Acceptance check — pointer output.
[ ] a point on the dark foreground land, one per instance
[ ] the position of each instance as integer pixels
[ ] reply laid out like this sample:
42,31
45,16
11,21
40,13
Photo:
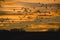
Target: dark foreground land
22,35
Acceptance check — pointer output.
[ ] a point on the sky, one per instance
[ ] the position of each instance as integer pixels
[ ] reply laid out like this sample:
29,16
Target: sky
41,1
14,3
6,5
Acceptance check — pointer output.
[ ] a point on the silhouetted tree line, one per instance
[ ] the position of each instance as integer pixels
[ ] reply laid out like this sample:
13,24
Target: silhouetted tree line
22,30
13,30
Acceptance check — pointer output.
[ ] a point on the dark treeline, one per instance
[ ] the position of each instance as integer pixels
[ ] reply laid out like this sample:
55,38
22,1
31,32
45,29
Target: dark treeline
20,34
22,30
15,34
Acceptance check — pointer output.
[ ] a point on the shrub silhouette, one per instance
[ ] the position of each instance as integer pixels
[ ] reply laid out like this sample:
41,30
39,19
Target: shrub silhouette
17,30
58,30
51,30
4,31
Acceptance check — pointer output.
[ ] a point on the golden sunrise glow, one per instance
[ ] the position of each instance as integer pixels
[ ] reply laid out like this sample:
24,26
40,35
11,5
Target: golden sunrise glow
15,13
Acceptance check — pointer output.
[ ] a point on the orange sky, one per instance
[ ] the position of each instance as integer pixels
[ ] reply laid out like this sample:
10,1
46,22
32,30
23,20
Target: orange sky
41,1
13,4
